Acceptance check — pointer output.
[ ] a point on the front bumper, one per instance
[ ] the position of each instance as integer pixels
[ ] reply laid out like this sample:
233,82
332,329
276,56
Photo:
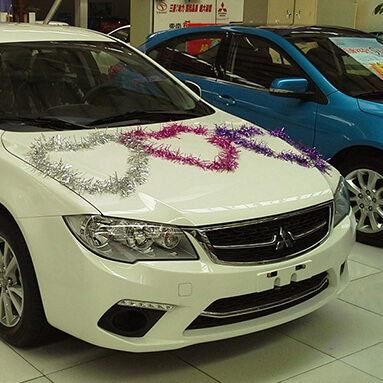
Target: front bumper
78,287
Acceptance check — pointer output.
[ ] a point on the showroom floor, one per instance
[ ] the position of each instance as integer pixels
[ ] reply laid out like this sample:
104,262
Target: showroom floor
342,342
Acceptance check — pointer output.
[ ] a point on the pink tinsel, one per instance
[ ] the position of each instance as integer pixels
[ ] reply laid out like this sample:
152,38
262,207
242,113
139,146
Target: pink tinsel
227,158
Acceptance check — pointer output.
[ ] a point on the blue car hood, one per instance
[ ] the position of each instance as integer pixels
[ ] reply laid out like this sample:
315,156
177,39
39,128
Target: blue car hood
372,107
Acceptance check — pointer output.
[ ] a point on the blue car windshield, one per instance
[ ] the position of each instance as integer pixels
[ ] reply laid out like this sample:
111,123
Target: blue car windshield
354,64
89,83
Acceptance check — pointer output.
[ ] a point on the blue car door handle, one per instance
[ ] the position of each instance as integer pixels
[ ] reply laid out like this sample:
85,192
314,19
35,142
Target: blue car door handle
227,100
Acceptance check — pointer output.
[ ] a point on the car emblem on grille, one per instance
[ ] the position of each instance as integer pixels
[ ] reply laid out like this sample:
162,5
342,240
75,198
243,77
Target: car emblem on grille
284,239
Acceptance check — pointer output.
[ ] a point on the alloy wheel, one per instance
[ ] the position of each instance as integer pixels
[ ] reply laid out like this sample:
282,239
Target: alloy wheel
366,196
11,287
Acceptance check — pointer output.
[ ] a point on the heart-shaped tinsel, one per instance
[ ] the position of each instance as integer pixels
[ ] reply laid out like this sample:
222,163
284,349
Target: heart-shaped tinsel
227,158
135,175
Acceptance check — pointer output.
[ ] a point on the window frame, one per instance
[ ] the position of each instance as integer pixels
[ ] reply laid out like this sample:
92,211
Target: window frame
172,43
272,45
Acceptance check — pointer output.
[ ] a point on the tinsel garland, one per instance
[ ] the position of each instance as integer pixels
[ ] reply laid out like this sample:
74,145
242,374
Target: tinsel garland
244,137
136,140
136,173
227,158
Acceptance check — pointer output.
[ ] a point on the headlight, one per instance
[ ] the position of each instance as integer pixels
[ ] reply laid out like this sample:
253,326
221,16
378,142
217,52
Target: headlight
342,201
130,241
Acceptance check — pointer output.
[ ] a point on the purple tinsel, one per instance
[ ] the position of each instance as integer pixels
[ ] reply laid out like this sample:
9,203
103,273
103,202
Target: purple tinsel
309,157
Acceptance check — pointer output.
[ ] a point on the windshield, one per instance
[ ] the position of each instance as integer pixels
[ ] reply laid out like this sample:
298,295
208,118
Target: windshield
88,82
354,64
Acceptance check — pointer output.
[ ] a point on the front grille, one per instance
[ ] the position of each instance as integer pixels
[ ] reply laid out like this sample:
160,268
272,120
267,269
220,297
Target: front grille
250,306
270,239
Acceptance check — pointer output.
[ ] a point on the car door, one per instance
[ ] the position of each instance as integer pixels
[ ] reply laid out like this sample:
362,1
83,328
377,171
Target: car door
250,66
192,57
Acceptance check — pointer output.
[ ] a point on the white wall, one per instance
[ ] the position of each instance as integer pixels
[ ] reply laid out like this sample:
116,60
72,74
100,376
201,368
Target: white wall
81,13
141,20
337,12
366,19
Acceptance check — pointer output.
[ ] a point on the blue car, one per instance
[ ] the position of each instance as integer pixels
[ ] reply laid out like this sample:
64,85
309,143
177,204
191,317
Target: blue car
323,85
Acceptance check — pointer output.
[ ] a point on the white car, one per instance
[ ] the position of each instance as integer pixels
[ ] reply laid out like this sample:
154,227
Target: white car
121,33
135,216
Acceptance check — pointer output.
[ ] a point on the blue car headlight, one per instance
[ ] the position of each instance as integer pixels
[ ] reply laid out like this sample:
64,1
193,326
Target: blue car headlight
341,201
129,241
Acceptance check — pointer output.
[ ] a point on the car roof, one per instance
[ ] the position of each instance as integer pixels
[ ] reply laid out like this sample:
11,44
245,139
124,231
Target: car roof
119,29
285,31
28,32
289,31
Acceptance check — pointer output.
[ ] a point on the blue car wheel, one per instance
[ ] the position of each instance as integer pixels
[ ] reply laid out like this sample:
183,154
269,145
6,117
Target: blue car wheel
365,185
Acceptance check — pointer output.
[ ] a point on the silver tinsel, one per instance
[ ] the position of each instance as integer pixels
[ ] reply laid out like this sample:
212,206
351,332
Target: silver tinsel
135,175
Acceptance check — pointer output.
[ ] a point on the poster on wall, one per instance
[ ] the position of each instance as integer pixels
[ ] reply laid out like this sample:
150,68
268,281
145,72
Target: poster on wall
171,14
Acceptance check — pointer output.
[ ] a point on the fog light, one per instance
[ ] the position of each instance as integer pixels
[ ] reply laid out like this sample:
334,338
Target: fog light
146,305
132,318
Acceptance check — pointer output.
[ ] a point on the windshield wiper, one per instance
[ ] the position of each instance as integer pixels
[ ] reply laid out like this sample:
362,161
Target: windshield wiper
44,122
144,115
369,94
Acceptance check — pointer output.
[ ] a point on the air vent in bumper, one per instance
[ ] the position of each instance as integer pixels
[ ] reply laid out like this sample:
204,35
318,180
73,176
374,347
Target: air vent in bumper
250,306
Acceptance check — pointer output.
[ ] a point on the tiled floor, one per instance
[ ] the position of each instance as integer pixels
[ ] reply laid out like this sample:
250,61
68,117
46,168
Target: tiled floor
342,342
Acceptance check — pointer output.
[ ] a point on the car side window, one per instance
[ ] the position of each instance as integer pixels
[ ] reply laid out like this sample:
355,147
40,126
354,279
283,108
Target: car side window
256,62
193,54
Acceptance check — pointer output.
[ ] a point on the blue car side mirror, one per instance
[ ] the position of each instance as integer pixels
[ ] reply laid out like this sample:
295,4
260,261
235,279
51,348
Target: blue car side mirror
295,87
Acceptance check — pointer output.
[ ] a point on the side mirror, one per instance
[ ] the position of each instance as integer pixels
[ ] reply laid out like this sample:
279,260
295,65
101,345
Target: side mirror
194,87
295,87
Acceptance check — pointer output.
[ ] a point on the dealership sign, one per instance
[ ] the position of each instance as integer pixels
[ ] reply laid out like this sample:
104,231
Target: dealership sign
170,14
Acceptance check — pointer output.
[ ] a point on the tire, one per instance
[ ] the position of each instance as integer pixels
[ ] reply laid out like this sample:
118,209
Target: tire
364,177
22,318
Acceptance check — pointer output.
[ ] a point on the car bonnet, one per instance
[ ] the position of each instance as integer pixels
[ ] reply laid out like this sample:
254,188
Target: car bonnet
185,179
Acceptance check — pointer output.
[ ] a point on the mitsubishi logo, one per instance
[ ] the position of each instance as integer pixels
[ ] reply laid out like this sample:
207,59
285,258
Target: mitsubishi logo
222,9
284,239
